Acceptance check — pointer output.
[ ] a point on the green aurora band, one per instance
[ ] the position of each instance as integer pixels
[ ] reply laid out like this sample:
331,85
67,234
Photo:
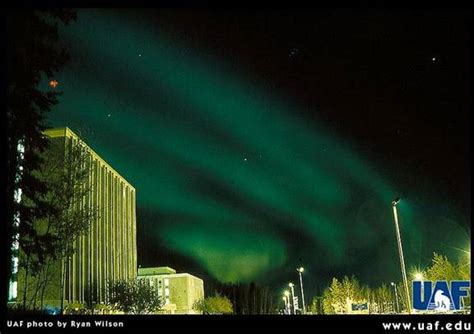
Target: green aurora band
239,183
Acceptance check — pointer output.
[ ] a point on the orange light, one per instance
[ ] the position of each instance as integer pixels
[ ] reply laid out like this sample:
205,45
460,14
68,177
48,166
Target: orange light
53,83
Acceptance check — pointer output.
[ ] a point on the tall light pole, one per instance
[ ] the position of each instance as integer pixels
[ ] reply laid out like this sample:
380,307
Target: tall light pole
291,285
400,252
300,272
287,301
396,295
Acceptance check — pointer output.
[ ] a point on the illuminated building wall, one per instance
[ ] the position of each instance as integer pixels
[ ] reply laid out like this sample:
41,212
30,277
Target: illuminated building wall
179,291
107,252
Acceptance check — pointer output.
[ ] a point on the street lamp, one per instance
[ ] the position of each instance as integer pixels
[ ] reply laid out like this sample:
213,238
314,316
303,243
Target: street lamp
286,297
400,252
300,272
419,276
291,285
286,307
396,295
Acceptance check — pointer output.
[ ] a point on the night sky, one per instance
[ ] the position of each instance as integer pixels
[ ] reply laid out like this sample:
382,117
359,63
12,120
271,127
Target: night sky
260,141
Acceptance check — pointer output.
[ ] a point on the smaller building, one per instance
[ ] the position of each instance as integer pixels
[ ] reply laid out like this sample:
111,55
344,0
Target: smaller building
179,291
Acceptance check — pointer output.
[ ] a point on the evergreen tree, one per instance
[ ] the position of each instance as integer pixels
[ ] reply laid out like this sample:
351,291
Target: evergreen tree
33,53
216,304
134,297
442,269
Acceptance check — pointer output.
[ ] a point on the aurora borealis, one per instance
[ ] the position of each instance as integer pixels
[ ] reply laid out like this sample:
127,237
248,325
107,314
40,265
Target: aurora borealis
229,173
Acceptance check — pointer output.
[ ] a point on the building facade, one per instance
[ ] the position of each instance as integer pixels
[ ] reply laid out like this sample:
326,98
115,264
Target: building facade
179,291
108,251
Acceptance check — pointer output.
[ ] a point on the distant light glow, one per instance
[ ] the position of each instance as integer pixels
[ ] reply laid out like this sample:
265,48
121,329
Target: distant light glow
17,195
15,265
15,243
12,290
418,276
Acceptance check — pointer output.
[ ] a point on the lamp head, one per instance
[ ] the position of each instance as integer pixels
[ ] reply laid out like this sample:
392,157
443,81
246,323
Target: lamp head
300,269
395,201
291,285
419,276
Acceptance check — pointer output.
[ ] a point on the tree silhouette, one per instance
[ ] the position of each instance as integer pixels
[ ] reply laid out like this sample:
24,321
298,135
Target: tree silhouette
33,53
134,297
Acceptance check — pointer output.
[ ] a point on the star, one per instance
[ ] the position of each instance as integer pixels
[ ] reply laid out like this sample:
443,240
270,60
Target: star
139,55
108,115
433,59
293,52
245,159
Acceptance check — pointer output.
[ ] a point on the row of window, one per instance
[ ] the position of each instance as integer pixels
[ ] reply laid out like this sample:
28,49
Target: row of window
159,284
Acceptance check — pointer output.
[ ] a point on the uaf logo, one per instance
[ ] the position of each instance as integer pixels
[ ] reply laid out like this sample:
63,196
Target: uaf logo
441,297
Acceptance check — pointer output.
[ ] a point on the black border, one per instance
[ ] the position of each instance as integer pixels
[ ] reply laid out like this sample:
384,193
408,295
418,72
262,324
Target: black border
224,322
374,323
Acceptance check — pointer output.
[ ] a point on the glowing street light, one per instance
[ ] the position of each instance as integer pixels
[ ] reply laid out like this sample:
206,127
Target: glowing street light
419,276
300,272
292,288
396,295
396,201
400,252
286,298
286,307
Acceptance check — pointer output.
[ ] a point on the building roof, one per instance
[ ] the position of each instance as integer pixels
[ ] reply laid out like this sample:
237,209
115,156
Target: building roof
156,271
165,272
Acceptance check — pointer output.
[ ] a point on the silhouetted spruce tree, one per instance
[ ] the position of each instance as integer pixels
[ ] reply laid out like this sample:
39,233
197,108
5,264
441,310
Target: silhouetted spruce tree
134,296
32,53
252,298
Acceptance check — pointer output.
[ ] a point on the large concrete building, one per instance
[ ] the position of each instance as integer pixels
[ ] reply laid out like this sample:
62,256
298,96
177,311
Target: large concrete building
179,291
107,252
